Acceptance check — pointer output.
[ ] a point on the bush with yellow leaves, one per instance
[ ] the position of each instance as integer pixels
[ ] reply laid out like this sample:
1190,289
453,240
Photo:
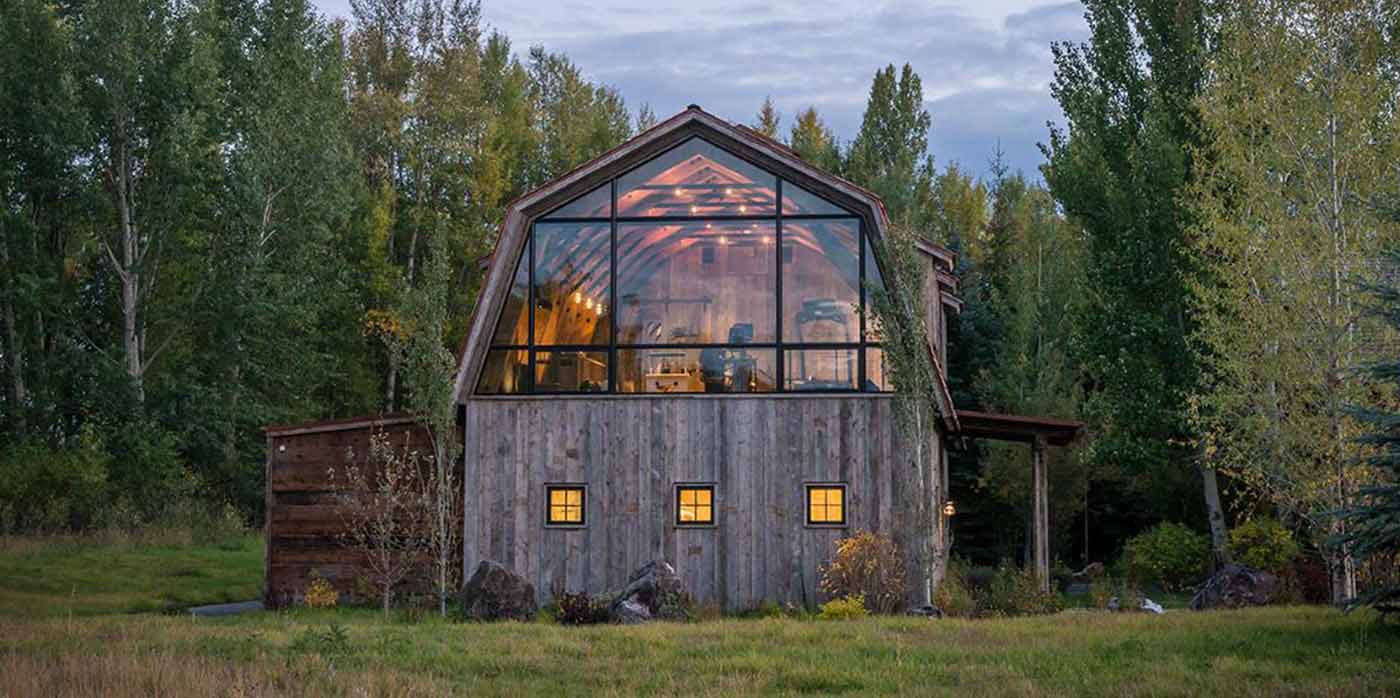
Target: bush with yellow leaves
320,594
868,565
844,608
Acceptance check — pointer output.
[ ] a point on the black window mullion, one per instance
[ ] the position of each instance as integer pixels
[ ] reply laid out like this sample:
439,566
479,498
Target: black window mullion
530,340
864,307
612,288
778,371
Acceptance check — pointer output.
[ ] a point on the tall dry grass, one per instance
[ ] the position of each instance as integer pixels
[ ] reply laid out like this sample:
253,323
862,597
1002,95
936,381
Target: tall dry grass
161,674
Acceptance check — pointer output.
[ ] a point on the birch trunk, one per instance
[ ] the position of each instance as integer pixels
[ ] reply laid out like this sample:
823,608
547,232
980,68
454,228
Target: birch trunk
1215,513
127,267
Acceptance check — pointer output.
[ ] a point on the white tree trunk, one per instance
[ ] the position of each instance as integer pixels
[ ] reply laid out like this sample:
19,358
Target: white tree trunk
1215,514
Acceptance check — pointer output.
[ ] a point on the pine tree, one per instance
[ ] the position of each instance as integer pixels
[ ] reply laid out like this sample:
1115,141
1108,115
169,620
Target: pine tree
1372,522
768,118
814,141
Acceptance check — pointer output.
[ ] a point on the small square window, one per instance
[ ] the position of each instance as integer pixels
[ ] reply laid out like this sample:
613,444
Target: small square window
695,505
826,505
567,505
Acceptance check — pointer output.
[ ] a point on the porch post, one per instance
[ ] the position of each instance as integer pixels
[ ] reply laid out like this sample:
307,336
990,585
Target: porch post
1040,513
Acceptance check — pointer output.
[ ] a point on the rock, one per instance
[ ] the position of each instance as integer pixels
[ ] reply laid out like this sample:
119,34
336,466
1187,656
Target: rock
658,588
1235,586
1152,606
496,593
630,613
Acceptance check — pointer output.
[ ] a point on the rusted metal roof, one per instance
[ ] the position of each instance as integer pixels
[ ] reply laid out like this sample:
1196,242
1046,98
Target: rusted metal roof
1011,427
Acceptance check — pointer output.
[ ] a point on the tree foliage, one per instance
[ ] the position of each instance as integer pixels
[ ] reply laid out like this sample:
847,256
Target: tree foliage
1300,115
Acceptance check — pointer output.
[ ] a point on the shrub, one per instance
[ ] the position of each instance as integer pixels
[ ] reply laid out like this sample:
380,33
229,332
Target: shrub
580,609
319,593
870,566
55,490
954,598
1016,592
1263,544
844,608
1169,554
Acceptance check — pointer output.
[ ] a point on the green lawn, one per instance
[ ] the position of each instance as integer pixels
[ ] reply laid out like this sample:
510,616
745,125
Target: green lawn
83,577
46,652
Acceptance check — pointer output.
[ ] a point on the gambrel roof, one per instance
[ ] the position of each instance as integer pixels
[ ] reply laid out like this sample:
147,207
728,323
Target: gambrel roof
693,121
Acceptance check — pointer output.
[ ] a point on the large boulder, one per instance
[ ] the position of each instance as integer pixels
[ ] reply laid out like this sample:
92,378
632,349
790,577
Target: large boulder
631,613
496,593
1235,586
657,588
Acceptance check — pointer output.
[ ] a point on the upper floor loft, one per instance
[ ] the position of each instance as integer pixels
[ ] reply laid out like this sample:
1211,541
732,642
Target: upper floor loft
700,258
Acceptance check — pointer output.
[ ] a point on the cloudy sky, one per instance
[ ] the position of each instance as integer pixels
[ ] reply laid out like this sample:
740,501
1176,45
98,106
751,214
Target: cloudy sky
985,65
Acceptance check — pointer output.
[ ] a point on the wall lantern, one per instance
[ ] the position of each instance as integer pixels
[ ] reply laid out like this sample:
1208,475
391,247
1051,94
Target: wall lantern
949,509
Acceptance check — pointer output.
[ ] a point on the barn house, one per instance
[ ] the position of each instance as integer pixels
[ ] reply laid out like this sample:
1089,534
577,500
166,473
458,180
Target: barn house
673,358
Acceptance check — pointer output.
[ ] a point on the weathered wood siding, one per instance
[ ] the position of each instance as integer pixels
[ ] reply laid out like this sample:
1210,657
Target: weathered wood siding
304,519
631,452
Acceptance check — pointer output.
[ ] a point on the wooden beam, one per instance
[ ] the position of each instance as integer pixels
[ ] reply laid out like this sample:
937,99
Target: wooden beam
1040,513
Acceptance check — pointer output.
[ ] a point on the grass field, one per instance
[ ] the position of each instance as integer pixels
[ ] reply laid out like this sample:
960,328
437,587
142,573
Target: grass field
53,577
1260,652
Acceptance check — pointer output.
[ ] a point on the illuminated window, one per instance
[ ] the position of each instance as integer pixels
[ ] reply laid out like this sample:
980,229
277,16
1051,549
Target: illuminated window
566,505
695,505
826,505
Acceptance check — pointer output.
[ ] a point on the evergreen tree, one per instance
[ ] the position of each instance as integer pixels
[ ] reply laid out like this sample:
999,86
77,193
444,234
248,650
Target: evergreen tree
1371,523
815,142
768,118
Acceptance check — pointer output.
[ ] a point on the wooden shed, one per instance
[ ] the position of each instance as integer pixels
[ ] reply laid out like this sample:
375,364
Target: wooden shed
673,359
303,517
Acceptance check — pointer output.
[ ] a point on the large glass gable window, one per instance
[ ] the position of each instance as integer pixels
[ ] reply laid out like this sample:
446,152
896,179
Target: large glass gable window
695,272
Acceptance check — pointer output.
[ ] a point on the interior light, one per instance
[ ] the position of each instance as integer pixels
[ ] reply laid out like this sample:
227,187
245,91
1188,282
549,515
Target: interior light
693,209
743,208
728,191
678,191
723,240
588,303
577,297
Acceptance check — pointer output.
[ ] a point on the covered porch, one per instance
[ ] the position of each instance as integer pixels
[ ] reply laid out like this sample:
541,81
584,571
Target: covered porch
1038,432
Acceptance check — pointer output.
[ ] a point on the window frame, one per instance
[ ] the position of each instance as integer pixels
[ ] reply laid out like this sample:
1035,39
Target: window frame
781,348
843,488
550,488
714,504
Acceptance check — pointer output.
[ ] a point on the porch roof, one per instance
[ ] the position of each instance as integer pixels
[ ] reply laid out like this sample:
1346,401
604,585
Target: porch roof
1010,427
